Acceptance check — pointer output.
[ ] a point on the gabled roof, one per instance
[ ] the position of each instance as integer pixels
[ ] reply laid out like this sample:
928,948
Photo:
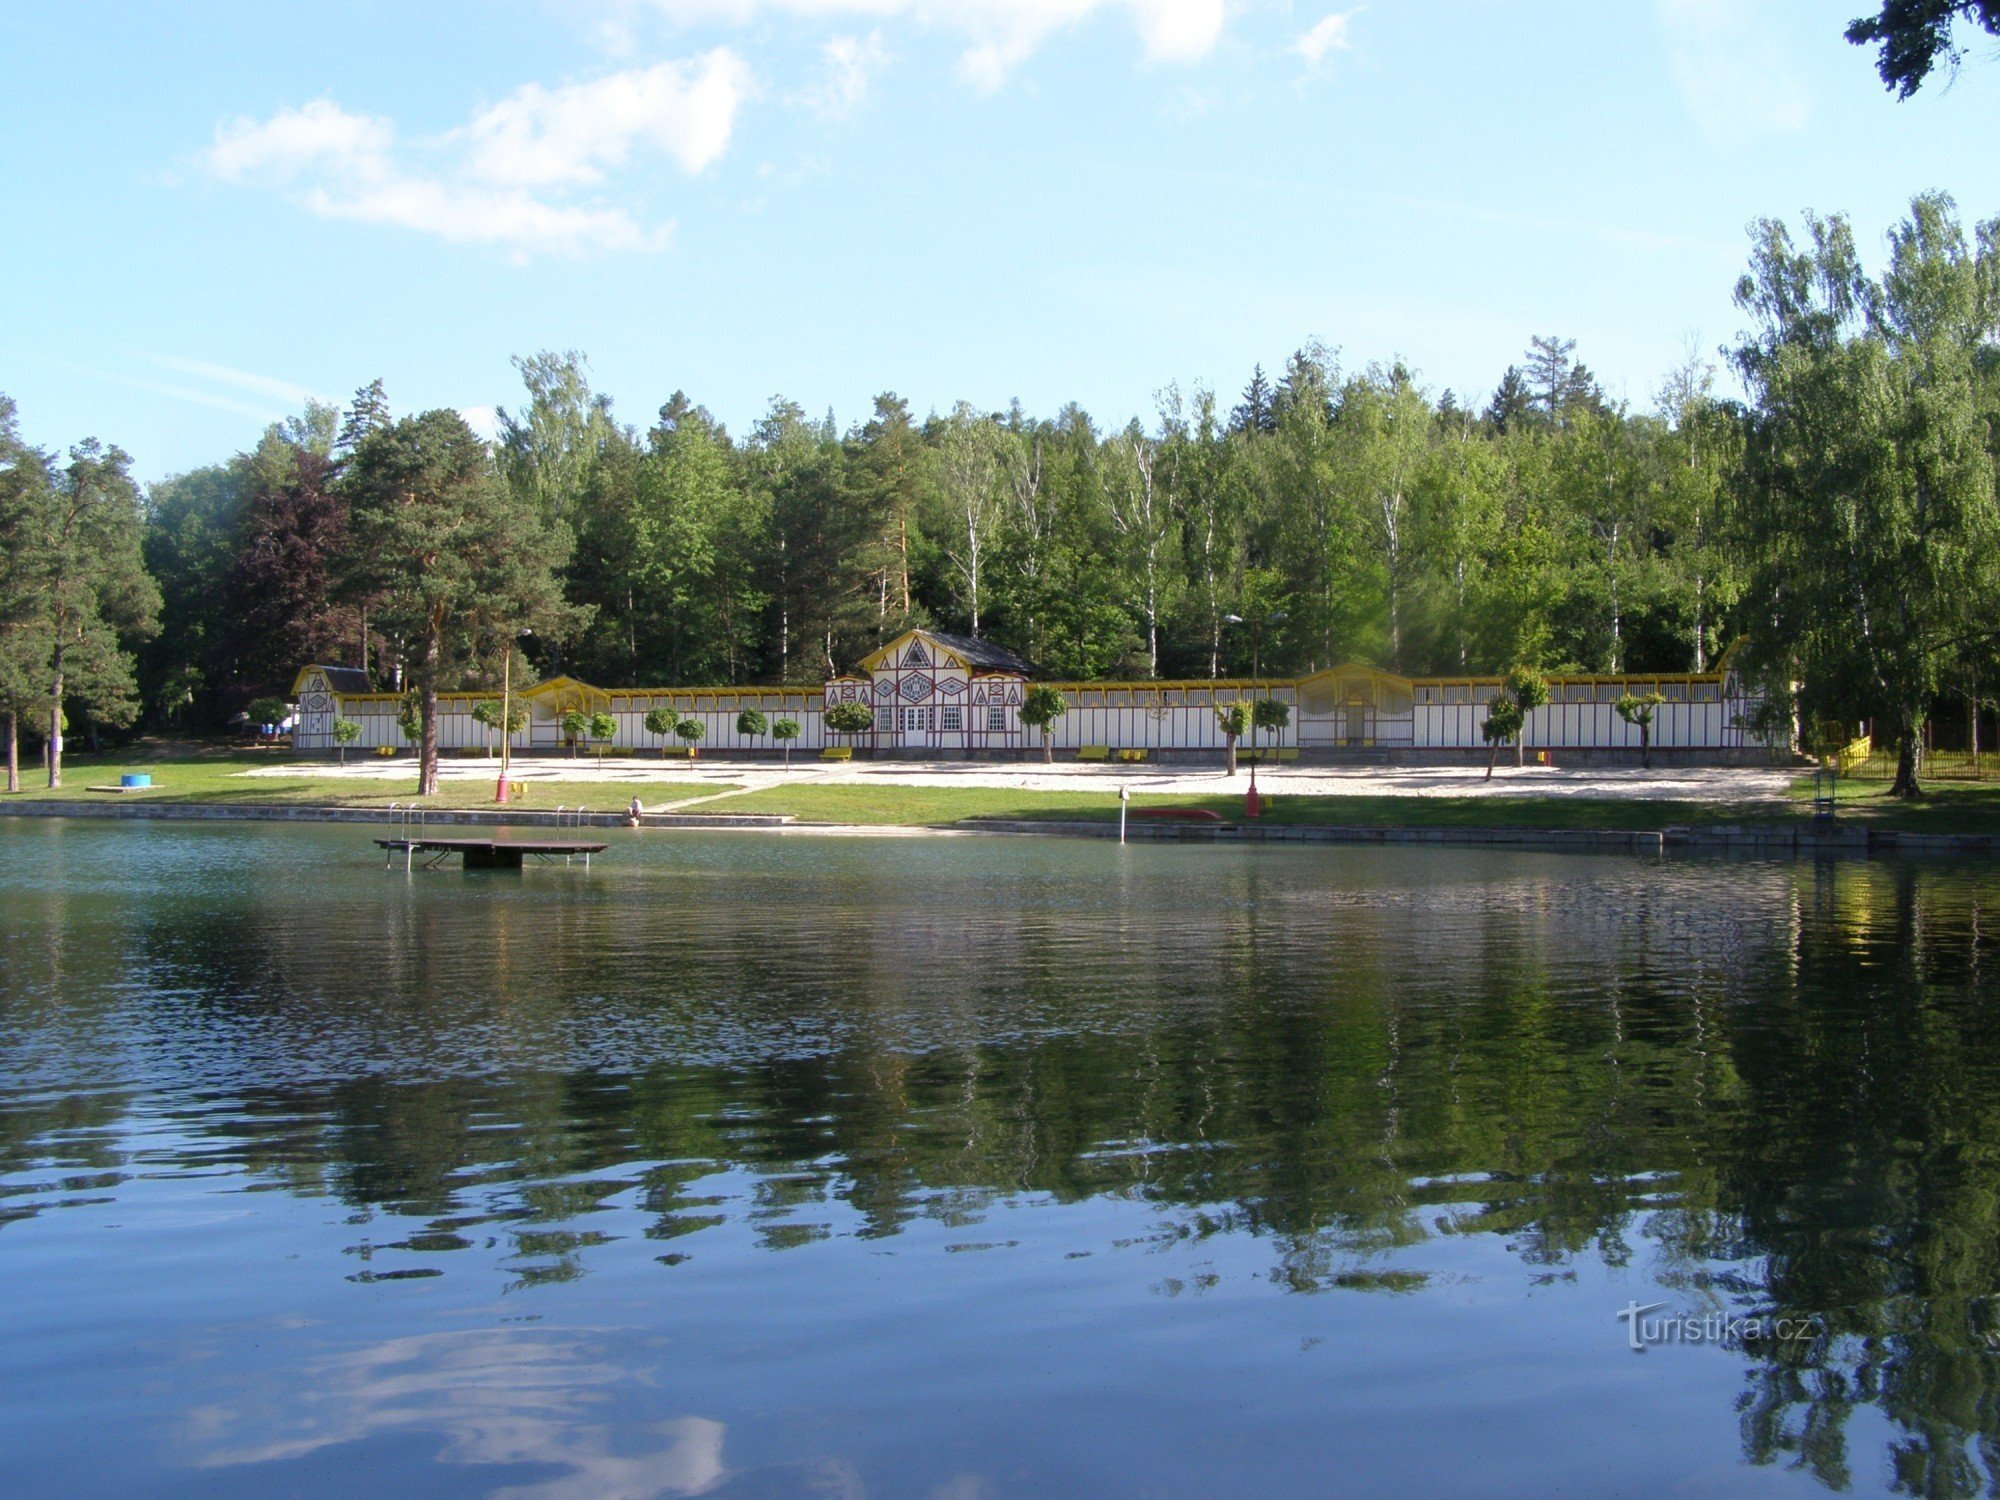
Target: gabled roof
347,681
970,650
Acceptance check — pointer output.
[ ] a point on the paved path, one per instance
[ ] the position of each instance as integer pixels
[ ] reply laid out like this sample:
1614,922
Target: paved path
670,784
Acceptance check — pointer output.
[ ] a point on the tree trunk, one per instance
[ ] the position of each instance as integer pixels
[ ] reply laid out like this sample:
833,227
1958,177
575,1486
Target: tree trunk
1229,741
1645,747
13,750
1048,747
55,743
1909,758
1492,759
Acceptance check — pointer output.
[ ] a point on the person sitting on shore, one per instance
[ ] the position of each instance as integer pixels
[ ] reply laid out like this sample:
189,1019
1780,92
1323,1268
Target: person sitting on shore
634,813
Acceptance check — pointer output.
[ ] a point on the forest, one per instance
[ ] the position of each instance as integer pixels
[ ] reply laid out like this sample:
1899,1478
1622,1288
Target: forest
1822,490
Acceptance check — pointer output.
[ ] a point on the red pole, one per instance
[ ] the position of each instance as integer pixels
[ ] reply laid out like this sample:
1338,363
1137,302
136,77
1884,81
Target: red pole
1252,804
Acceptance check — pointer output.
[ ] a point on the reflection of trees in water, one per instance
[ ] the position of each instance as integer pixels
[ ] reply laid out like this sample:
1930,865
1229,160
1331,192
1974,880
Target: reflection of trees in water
1871,1185
1778,1085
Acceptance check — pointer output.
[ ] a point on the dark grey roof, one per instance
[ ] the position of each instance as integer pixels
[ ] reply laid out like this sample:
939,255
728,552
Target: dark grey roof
980,653
347,679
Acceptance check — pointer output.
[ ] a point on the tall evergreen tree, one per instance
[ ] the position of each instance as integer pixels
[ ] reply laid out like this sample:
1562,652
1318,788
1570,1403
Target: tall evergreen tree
458,559
76,531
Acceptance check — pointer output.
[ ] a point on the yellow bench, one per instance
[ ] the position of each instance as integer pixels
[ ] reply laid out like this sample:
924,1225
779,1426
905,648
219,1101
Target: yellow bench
1282,752
1131,757
837,752
1094,752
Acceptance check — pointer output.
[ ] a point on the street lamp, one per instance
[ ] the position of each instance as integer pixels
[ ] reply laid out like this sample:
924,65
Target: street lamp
1256,624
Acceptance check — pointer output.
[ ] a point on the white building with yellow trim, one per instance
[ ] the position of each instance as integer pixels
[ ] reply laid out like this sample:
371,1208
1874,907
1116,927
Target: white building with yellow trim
935,694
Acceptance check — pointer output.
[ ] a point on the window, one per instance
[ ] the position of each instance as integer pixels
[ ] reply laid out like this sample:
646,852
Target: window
885,721
996,717
916,719
951,718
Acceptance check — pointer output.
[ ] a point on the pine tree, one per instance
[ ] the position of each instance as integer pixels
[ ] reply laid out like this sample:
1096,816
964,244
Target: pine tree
1257,411
459,561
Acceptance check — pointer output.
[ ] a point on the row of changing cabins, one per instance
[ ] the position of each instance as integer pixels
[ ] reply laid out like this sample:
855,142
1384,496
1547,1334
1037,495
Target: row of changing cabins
935,694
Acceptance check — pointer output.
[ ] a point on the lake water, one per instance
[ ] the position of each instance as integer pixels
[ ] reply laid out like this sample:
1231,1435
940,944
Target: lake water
965,1168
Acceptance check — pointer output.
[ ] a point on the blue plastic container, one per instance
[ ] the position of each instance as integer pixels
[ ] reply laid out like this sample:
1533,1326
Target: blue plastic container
135,778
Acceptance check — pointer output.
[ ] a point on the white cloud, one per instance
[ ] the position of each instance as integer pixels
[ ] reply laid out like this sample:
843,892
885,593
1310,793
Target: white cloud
1732,69
999,35
504,178
293,140
484,420
1329,35
539,137
849,66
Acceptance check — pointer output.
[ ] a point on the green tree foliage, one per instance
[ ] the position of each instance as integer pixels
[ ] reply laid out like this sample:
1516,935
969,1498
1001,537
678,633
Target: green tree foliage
1502,723
784,731
490,712
604,729
76,589
1040,709
750,724
1234,720
345,733
1527,689
575,726
1914,35
1869,517
458,562
1636,709
661,721
689,732
850,718
1268,716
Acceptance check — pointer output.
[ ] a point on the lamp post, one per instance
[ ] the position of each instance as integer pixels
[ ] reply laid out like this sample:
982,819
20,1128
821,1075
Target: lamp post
1275,617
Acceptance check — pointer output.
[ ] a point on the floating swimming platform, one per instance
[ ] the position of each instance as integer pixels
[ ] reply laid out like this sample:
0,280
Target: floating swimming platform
485,854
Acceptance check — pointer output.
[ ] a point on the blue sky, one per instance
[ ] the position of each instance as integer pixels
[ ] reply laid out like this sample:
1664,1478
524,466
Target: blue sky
220,209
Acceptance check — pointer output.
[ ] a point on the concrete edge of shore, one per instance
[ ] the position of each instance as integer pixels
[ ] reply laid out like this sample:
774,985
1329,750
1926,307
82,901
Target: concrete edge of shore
1770,838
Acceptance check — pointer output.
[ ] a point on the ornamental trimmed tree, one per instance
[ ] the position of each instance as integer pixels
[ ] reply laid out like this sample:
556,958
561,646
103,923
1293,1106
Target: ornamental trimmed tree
784,731
1503,723
1638,712
1267,713
1040,710
488,714
575,725
850,718
345,733
603,729
1234,720
689,732
661,721
1530,690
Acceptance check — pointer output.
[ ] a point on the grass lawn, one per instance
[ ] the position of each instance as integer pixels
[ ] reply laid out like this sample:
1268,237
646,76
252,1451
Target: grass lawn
190,774
217,776
1945,807
939,806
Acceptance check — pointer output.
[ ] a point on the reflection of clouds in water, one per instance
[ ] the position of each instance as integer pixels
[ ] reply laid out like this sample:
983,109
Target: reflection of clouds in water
494,1398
